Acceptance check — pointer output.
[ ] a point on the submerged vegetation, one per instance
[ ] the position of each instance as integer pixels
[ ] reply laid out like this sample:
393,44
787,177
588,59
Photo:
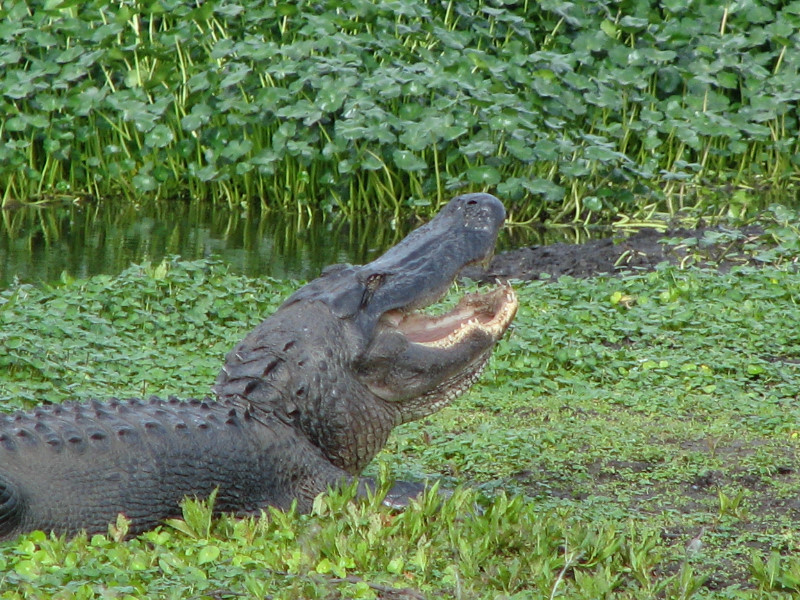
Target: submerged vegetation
568,110
633,437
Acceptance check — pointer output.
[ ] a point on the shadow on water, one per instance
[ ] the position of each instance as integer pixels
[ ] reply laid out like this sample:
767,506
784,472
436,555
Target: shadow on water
40,244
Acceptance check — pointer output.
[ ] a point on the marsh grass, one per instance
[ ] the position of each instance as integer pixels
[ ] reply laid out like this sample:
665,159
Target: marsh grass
637,449
572,111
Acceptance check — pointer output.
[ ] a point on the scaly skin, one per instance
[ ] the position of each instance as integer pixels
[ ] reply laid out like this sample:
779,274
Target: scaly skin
306,400
76,466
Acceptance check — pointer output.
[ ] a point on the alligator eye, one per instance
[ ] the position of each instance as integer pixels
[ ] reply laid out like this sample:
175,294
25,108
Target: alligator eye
374,281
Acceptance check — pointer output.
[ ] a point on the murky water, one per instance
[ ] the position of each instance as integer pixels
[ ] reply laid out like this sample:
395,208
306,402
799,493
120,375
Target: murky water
37,245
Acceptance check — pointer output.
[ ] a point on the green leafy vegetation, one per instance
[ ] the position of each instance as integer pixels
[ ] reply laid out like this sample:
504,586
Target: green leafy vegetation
633,437
570,110
127,336
775,241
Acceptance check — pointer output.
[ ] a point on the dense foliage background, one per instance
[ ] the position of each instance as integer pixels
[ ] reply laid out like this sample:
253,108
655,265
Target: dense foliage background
567,110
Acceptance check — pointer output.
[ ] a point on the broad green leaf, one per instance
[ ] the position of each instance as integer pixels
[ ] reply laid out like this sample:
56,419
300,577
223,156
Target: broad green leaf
159,136
484,175
208,554
408,161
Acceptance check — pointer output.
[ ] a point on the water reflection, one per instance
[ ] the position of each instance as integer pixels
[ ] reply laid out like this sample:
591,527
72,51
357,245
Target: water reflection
39,244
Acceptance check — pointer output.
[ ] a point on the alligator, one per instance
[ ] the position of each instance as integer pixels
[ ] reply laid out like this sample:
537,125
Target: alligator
302,404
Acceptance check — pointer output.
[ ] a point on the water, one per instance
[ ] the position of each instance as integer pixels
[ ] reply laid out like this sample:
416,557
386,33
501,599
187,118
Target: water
37,245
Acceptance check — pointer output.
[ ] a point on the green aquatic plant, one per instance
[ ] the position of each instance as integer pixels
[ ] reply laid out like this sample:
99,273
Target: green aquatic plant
572,111
632,437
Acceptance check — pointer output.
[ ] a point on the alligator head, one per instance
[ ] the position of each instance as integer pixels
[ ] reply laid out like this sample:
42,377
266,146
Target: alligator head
351,354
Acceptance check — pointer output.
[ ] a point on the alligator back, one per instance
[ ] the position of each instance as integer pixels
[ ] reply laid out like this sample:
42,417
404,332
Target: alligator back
74,467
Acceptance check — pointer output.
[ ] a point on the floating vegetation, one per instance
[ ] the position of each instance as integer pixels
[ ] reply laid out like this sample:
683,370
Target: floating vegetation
633,437
569,110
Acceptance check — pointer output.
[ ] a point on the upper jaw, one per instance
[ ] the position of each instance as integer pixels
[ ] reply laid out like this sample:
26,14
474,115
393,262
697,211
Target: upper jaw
420,269
416,272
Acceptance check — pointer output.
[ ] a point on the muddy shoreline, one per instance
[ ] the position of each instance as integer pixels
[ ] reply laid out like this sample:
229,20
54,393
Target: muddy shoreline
715,247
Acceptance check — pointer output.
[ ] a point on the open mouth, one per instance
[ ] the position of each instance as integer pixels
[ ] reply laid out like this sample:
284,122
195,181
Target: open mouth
489,312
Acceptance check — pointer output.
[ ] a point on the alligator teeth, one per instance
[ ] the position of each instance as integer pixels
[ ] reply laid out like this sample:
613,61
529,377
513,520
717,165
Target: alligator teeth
480,318
459,334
